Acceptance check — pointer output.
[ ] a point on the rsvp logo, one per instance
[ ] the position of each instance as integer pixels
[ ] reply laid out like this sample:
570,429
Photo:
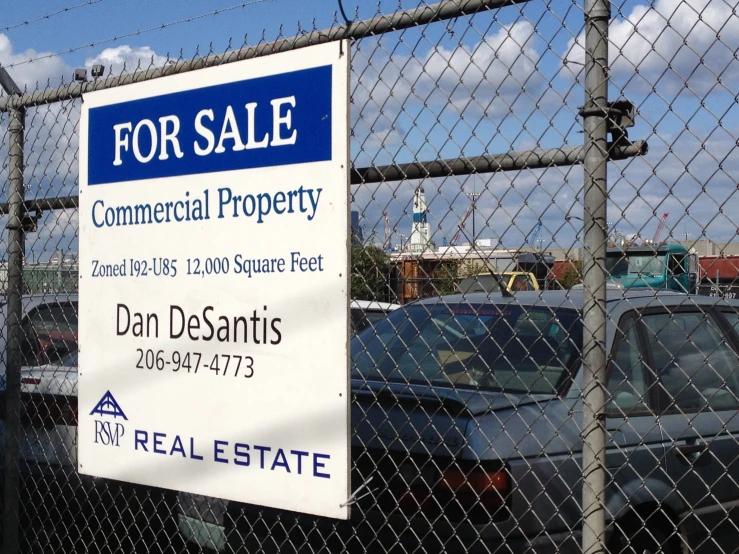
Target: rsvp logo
108,433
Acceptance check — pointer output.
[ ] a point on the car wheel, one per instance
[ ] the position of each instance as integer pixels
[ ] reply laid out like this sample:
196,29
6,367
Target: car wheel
650,540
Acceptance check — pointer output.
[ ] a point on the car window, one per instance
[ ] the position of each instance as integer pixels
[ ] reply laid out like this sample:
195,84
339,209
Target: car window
627,390
49,333
676,264
55,318
508,348
733,318
374,316
361,319
695,365
520,282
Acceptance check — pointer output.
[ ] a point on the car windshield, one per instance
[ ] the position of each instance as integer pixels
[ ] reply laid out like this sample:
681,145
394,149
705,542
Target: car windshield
507,348
647,264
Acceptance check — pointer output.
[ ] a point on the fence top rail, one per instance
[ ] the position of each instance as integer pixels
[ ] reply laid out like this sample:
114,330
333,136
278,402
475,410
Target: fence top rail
445,10
511,161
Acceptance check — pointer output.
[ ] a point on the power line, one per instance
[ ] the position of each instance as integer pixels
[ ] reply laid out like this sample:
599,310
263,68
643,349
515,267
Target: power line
139,32
50,15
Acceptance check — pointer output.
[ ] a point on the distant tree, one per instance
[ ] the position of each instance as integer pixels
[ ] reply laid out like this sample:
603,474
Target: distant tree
370,272
471,268
572,274
446,277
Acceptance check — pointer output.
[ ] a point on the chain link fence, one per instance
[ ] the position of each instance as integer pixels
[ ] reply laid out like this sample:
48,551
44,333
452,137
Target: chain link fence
545,195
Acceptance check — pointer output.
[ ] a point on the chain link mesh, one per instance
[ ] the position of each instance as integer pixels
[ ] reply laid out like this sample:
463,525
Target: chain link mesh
473,228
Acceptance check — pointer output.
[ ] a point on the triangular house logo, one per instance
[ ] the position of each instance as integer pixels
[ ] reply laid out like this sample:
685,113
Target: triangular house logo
108,406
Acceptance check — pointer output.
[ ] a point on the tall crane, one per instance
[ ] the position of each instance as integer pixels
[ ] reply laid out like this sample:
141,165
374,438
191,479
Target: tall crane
470,209
388,231
660,228
534,234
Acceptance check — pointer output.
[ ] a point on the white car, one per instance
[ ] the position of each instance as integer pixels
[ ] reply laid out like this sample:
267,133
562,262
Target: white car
49,415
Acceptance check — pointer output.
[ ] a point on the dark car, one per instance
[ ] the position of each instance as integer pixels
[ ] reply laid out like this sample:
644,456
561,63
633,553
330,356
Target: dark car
466,431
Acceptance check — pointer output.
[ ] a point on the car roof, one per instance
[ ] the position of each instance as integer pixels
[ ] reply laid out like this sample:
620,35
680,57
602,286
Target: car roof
372,305
30,301
575,299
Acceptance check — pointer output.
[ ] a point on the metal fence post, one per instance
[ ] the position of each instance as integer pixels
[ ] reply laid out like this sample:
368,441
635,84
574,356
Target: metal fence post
597,16
11,505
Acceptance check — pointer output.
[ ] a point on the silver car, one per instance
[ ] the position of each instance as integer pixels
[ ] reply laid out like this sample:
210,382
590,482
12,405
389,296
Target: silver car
466,422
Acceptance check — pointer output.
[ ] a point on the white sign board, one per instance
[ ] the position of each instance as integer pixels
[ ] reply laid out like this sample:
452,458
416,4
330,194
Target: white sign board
214,236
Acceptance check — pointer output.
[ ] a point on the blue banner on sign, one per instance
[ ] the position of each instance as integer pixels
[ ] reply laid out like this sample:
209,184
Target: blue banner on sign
269,121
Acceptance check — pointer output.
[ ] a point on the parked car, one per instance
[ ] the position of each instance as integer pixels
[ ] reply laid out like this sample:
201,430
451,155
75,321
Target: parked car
58,505
49,343
514,281
365,313
467,414
49,329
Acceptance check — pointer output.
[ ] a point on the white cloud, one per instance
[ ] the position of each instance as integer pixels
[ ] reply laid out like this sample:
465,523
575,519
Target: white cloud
489,77
462,86
58,230
51,146
51,149
693,179
492,78
47,70
51,133
670,44
126,59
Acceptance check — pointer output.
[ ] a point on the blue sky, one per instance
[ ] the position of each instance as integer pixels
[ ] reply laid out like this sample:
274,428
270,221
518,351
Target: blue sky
95,22
491,83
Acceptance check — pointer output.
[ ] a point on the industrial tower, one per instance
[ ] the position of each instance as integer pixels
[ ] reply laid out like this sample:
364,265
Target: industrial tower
420,235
